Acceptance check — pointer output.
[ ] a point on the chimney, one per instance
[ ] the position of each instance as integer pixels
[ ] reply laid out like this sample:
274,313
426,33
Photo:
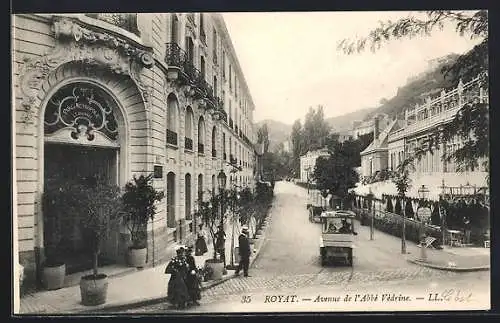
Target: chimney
376,129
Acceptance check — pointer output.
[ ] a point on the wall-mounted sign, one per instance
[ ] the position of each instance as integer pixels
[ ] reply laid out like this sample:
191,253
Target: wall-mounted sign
82,108
158,171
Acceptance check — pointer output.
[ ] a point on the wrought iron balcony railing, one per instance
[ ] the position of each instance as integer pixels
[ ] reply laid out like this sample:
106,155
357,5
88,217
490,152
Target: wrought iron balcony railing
188,143
171,137
127,21
201,148
175,55
194,74
214,153
224,115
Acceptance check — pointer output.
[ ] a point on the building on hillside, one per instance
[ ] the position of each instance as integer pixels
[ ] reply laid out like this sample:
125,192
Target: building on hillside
374,158
360,128
342,135
418,127
114,95
308,162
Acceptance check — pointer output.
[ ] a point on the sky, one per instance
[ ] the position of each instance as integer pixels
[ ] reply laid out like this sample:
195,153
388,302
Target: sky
291,62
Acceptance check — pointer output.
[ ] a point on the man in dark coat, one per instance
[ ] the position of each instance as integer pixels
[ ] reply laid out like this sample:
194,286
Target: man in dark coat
244,250
220,243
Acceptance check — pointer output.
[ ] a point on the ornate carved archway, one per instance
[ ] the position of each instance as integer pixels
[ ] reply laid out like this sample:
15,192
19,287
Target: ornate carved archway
79,42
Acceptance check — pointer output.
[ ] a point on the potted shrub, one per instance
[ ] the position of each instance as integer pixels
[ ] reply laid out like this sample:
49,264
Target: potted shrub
209,211
58,202
139,207
99,208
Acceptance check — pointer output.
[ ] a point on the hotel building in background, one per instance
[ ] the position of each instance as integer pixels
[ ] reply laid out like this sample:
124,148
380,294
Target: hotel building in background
114,95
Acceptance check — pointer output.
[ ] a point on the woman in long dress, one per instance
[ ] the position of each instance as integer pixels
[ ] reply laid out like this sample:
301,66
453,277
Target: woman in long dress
177,292
192,280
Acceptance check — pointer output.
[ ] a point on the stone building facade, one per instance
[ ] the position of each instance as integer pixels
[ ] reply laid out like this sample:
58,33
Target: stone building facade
308,163
117,95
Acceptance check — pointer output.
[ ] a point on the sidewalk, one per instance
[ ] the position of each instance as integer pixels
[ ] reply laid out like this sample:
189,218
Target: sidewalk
456,259
135,288
448,258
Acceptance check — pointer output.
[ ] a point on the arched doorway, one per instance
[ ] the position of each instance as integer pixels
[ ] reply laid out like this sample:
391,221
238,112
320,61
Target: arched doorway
82,132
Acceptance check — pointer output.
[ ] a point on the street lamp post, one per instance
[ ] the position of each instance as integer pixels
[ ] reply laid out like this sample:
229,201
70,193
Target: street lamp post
237,196
371,211
423,213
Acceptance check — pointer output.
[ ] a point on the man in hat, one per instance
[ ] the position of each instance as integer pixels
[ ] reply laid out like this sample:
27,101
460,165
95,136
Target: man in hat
244,250
220,243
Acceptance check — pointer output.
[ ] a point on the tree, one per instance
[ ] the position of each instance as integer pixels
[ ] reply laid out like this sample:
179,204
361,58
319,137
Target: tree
402,181
471,123
335,173
296,139
263,137
315,130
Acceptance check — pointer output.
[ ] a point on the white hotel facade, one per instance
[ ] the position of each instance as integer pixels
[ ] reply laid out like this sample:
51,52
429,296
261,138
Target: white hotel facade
169,97
421,121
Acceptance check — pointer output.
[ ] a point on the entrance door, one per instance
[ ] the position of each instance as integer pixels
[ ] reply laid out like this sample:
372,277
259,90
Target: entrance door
71,163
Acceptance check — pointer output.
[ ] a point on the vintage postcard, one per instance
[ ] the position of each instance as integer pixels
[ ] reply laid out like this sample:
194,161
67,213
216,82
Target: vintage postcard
250,162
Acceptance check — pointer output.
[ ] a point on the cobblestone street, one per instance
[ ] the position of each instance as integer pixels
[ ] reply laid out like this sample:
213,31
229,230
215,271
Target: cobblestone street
289,260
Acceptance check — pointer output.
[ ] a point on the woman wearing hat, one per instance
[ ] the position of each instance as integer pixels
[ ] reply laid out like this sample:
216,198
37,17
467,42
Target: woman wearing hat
192,279
177,292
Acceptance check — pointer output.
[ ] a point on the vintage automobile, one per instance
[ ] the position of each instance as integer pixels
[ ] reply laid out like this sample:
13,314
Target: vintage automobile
337,238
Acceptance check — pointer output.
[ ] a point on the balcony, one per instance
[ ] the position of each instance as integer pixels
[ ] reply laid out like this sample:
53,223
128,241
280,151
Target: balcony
171,137
127,21
214,153
201,148
188,143
441,109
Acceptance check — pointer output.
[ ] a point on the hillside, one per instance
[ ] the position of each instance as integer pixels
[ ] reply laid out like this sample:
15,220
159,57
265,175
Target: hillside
344,122
278,132
428,83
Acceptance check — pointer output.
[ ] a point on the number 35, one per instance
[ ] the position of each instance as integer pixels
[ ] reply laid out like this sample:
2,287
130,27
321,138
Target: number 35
246,299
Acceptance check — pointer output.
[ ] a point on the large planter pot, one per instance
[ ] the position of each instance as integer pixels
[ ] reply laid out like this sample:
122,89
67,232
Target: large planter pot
217,267
94,289
53,276
137,257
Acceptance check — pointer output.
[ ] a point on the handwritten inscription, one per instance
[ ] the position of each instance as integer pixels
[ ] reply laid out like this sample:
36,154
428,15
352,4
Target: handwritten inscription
450,295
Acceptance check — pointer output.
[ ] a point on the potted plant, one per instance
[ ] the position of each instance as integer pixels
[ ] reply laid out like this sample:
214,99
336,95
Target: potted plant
58,202
99,208
139,207
209,211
